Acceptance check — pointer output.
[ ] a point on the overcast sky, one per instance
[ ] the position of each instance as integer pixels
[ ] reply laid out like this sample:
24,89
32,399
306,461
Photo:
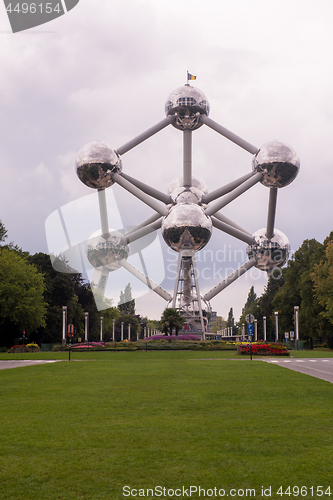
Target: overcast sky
104,71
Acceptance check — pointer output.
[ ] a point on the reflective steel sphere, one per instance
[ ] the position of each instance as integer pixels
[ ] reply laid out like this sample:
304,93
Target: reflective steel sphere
187,104
269,253
186,226
279,163
106,253
197,183
95,163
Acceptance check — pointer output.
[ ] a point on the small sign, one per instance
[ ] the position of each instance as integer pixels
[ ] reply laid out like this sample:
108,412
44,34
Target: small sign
250,329
216,337
291,335
286,335
249,318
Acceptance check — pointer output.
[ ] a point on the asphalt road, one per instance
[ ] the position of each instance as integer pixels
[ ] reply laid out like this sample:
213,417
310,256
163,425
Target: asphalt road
317,367
24,362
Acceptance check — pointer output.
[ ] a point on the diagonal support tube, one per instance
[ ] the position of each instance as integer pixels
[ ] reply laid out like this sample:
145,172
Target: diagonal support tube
136,235
217,193
271,212
155,193
233,231
151,202
230,279
217,205
152,218
230,222
147,281
145,135
229,135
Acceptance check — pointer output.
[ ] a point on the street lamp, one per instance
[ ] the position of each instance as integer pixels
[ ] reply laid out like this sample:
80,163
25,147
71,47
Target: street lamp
264,321
64,322
276,326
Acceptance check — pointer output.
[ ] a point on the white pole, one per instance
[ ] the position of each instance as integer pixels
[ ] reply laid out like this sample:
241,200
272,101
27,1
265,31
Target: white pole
255,330
296,309
122,331
86,321
64,313
129,331
113,329
101,332
264,320
276,326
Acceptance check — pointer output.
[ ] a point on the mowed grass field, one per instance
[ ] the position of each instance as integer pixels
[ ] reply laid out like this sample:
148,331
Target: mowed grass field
88,428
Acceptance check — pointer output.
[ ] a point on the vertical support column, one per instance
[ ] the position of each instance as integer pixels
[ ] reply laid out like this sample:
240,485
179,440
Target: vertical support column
187,158
255,330
271,212
276,326
129,332
113,330
122,331
103,211
86,326
264,321
144,332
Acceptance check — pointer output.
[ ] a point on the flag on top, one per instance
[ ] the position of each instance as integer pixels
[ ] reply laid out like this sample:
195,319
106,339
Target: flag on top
190,77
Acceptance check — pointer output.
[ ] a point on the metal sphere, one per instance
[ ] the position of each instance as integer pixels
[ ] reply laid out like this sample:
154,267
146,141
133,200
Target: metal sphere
186,227
187,104
279,163
186,195
107,253
269,253
197,183
95,164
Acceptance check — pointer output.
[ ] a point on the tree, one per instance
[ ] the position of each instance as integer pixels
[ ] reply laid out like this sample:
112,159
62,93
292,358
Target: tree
297,290
171,319
322,276
126,303
22,301
218,324
251,298
3,232
231,321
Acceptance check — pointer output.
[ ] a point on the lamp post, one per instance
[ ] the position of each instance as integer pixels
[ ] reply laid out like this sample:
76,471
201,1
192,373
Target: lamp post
86,324
122,331
264,321
113,330
101,332
276,326
255,330
296,311
129,332
64,323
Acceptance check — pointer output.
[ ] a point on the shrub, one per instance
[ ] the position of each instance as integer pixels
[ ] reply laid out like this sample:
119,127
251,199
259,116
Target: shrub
263,349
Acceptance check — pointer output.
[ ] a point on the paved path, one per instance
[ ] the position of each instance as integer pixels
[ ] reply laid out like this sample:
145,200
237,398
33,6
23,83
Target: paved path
316,367
24,362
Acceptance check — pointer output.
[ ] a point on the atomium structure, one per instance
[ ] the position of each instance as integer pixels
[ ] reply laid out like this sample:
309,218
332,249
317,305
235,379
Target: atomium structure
187,213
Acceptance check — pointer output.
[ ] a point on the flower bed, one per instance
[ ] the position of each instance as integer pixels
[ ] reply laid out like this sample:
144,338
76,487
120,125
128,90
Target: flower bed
32,347
263,349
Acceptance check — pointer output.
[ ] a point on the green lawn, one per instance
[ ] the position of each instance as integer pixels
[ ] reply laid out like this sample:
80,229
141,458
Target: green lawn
85,429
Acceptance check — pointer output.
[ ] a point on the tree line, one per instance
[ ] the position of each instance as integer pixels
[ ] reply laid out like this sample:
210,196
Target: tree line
307,282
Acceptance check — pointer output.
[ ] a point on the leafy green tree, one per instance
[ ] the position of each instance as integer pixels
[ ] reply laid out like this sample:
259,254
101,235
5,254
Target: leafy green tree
297,290
127,319
171,319
218,324
322,276
22,301
126,303
3,232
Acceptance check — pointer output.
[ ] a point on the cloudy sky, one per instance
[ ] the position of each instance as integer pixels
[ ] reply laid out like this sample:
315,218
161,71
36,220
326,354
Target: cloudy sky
104,71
